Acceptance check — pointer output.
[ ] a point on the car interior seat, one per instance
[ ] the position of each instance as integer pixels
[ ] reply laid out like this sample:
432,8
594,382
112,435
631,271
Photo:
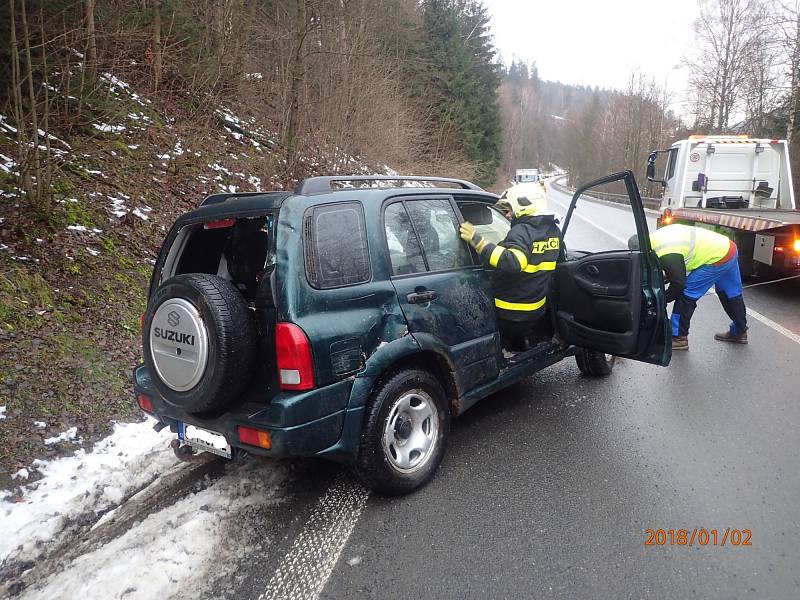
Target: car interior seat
246,255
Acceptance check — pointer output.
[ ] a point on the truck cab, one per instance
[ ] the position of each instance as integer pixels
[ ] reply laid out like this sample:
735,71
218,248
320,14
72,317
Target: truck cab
725,172
738,186
526,176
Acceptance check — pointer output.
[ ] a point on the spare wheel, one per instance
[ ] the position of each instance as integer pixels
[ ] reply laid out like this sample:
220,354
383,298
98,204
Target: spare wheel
199,342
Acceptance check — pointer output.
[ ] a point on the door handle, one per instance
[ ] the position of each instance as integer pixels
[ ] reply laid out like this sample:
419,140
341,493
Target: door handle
593,270
422,297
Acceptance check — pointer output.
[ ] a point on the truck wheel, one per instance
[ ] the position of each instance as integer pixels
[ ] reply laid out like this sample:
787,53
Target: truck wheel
593,363
405,433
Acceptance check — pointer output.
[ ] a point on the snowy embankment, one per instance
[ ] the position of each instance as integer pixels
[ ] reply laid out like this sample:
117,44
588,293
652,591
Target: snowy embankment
128,519
86,482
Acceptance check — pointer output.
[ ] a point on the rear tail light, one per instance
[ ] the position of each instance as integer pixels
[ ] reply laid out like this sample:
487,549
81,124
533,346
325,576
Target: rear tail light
796,246
254,437
145,403
293,353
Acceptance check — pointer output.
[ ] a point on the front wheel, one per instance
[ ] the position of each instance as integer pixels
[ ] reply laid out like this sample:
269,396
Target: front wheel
405,433
594,363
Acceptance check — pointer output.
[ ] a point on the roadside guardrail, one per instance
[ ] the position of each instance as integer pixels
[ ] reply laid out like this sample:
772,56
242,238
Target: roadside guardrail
649,203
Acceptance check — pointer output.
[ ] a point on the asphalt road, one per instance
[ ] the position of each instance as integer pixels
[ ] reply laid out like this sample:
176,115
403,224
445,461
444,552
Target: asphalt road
548,488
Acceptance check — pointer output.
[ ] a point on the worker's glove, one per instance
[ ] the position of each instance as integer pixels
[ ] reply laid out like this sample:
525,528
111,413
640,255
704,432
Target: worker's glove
470,235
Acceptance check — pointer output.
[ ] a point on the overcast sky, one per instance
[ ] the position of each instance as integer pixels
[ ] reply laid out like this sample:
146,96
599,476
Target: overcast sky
598,42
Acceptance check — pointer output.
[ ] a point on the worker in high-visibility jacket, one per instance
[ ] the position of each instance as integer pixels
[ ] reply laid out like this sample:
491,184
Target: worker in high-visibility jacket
523,263
694,259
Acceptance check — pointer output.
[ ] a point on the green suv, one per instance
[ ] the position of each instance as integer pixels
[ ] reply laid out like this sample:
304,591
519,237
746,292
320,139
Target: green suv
347,320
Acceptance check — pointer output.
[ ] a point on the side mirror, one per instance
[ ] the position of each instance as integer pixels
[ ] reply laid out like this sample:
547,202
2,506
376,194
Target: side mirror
476,213
651,168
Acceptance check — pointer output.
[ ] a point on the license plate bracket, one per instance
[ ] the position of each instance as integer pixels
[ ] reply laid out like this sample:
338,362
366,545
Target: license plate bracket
204,440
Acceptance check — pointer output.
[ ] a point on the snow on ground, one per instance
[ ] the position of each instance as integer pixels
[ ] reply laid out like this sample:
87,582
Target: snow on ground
7,163
83,483
106,128
175,552
2,412
159,553
65,436
83,229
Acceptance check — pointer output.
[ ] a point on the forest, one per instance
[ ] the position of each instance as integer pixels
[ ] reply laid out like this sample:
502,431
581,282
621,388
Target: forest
413,86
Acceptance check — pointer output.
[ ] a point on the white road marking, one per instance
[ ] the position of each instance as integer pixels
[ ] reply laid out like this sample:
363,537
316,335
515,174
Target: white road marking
771,281
763,319
305,569
773,325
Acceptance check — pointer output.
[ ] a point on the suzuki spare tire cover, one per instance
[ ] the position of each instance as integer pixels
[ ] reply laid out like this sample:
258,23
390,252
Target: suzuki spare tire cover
199,342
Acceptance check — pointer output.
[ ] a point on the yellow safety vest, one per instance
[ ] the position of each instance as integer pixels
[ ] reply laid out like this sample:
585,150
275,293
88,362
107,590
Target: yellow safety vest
697,245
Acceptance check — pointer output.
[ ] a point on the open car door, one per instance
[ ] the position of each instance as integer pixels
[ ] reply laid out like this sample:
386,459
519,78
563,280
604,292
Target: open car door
611,300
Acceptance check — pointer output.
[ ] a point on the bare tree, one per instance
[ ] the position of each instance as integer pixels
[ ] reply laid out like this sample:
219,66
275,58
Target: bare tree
91,39
727,32
296,80
156,42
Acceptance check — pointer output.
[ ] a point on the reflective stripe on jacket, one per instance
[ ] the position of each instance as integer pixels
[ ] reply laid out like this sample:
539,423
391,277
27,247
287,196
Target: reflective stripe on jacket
523,265
697,245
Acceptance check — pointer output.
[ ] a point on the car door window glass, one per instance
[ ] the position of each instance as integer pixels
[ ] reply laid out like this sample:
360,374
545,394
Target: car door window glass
405,253
437,226
497,230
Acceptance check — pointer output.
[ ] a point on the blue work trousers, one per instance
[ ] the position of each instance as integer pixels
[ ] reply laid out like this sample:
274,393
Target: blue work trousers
727,281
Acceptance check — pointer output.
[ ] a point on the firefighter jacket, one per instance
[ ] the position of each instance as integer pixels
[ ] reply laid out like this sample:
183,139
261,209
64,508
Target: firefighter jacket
524,263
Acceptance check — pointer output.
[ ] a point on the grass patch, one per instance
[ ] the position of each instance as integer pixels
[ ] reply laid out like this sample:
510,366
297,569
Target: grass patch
77,213
63,187
121,147
21,294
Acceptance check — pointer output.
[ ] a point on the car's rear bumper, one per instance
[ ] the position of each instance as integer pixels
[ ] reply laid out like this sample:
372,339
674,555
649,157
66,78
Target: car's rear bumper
299,424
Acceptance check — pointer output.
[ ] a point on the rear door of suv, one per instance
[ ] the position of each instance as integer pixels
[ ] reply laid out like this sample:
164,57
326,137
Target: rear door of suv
447,302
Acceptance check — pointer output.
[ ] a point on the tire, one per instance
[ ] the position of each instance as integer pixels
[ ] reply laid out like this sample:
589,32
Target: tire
593,363
389,425
204,320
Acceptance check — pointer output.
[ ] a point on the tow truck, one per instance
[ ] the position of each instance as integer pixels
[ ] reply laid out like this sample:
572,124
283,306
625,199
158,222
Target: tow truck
739,186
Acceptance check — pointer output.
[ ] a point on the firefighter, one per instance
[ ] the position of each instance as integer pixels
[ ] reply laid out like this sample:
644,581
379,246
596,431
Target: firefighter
523,264
694,259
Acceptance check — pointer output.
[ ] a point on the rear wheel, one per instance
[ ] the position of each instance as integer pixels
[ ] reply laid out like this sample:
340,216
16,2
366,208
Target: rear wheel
593,363
405,433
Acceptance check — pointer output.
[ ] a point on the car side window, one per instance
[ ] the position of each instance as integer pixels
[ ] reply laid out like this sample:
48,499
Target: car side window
436,225
335,241
404,249
497,230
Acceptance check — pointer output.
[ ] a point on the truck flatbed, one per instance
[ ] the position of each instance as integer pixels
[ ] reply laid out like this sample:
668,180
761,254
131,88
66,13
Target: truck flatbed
750,219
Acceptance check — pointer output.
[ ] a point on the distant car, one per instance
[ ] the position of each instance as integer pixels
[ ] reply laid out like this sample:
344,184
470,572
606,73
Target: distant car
351,323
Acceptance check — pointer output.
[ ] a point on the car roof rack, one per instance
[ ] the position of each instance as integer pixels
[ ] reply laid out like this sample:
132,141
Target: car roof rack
316,185
219,198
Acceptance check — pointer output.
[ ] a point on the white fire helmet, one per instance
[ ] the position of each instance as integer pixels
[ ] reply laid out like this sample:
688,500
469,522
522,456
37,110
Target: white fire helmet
529,201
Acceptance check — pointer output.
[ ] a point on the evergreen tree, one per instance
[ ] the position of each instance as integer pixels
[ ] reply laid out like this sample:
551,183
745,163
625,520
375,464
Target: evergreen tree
465,77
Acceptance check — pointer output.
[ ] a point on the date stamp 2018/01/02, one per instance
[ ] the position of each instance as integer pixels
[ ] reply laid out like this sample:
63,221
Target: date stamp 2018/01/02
699,536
